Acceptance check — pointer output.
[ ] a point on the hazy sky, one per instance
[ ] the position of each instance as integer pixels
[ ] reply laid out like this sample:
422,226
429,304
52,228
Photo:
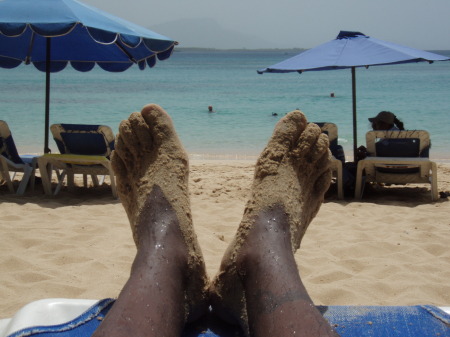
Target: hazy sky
295,23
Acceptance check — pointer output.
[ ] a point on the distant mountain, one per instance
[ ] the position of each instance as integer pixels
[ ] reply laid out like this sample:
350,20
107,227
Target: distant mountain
207,33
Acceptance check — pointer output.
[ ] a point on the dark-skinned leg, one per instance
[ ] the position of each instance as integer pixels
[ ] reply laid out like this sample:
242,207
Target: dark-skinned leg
157,283
277,301
258,284
167,284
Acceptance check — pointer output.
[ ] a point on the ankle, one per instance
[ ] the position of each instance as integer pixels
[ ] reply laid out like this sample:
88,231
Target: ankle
158,232
267,241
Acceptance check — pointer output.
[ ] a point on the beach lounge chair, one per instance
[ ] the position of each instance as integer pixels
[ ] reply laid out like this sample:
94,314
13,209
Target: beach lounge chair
397,157
78,317
11,162
330,129
84,149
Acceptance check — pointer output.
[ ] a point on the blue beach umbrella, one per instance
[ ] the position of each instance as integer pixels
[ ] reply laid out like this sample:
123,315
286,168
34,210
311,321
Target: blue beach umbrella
51,33
352,50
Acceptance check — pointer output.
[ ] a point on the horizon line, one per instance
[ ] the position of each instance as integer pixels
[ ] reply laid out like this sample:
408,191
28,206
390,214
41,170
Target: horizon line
266,49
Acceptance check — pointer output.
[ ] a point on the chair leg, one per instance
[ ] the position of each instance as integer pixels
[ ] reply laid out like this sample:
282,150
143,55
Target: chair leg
45,169
358,186
434,187
32,179
5,174
113,185
112,178
94,180
70,179
340,186
60,174
61,177
9,182
34,165
25,179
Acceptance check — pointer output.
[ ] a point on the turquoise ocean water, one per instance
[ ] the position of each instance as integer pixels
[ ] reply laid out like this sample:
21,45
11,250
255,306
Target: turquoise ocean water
185,84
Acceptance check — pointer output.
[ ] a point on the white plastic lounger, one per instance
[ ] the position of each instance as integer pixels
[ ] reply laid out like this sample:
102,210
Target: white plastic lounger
84,149
72,164
397,157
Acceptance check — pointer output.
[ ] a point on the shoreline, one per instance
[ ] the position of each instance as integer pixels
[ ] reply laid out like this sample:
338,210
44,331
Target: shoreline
440,158
253,158
256,50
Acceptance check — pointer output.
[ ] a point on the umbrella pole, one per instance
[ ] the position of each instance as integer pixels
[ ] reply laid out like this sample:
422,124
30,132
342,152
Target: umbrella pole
355,136
47,94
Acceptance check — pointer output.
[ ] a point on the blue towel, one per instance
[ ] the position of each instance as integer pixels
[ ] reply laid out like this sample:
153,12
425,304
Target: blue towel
348,321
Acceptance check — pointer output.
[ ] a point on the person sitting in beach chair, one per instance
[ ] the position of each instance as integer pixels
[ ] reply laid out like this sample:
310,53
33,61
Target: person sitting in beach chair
384,121
258,285
387,121
395,156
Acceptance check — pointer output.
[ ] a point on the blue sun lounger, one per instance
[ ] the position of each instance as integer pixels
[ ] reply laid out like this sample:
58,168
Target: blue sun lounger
348,321
11,161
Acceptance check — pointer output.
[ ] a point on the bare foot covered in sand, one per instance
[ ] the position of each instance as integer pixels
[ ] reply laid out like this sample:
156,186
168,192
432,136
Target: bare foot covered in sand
147,153
258,285
151,169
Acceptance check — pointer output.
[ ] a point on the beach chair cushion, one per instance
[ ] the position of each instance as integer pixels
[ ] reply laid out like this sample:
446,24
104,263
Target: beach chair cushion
395,143
89,144
408,147
83,139
403,148
400,148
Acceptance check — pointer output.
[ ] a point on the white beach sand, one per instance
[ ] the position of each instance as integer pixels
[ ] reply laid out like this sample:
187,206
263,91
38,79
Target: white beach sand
389,249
